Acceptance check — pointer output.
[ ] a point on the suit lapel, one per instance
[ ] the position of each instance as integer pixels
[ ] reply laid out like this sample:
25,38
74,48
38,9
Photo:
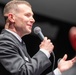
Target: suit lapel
22,47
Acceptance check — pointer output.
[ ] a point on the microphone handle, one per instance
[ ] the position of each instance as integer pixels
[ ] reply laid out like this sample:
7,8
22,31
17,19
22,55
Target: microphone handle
40,35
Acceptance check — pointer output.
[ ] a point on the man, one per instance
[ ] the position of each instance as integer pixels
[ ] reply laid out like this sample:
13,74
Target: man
14,59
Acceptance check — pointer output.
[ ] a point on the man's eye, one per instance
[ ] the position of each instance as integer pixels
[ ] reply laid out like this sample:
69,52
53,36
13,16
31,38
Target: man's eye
28,15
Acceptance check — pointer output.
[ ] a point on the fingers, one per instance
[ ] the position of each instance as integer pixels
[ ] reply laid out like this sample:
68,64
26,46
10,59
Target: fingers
47,39
65,57
74,60
47,45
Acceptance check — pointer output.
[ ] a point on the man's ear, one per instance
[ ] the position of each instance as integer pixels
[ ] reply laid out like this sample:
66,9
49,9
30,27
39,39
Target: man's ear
11,17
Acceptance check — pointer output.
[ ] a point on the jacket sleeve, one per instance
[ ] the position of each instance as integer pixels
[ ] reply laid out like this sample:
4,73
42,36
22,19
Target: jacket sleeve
51,73
16,65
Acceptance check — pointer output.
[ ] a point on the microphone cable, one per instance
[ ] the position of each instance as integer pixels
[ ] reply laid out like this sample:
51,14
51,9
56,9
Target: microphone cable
53,54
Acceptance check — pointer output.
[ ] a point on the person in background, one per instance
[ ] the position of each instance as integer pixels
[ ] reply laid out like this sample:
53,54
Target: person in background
14,58
72,36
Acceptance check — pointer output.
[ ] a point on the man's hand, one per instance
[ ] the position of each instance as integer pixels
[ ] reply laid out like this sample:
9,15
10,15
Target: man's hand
65,64
47,45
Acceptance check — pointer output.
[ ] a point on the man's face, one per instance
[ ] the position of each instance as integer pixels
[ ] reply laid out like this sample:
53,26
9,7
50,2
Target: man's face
24,20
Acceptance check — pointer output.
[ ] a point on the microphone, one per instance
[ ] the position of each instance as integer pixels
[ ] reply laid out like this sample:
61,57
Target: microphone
37,30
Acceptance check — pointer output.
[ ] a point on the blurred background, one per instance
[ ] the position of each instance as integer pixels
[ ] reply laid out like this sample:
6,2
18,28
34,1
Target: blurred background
55,17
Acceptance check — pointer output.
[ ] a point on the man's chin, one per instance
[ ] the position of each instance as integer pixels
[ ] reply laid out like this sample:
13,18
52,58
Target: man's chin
28,33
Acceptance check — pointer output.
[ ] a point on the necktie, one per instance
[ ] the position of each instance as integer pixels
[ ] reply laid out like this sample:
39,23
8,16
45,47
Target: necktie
26,55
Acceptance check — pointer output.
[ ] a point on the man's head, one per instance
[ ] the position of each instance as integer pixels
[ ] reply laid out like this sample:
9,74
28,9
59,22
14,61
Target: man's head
19,17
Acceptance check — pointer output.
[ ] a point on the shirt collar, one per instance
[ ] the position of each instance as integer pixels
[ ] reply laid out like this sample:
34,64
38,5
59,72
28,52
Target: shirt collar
16,35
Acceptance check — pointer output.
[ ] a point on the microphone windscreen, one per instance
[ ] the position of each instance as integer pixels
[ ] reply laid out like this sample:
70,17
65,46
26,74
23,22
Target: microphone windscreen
37,30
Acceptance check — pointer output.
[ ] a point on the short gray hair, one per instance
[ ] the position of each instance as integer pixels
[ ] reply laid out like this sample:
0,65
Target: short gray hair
13,6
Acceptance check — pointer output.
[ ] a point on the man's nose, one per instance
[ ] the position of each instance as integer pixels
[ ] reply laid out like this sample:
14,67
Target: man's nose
32,20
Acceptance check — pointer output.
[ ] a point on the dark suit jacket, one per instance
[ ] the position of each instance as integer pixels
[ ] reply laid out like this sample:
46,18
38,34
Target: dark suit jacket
14,59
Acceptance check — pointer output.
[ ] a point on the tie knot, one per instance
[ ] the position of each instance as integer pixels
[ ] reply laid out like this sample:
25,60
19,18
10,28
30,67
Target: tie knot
22,42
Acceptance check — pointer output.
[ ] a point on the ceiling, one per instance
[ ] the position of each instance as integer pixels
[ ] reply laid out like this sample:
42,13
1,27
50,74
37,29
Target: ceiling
64,10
